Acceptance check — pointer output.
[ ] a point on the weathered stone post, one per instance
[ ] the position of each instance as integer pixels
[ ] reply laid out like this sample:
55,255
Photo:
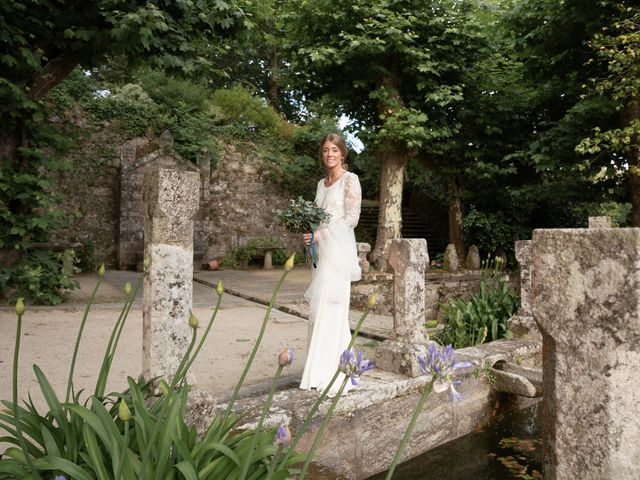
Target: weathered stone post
599,222
586,299
450,258
409,260
170,200
522,324
473,259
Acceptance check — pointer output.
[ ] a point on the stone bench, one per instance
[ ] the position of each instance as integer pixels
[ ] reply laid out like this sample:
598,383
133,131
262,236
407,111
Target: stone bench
266,255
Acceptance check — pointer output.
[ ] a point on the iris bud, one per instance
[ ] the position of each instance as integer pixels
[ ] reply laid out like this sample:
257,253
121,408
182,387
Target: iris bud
20,306
288,266
286,357
193,320
123,411
372,300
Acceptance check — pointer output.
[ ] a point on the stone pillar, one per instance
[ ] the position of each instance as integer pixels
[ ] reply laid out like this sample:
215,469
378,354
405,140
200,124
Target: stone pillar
599,222
409,259
586,300
170,200
522,324
473,258
363,249
450,258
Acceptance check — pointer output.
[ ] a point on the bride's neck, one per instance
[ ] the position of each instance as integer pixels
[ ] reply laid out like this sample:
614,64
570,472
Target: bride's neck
335,173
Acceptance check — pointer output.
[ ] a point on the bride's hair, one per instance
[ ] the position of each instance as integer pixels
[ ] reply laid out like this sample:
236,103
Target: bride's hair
339,142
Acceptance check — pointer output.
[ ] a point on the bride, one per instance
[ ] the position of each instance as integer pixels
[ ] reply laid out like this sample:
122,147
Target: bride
340,195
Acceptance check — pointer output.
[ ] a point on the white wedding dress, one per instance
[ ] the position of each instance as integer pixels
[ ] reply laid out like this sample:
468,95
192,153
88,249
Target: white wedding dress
330,289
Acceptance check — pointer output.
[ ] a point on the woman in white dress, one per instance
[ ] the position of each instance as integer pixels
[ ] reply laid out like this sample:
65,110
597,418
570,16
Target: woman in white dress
340,195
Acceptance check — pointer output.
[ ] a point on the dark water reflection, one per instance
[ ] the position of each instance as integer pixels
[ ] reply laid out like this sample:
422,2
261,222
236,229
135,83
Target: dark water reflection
507,449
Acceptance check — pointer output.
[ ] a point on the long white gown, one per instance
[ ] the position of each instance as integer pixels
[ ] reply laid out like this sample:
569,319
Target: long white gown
330,289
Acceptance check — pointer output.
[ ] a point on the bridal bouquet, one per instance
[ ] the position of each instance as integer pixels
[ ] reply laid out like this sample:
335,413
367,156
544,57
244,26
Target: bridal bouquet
302,216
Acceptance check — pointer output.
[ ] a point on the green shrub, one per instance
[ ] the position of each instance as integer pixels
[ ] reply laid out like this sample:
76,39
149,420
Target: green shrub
240,256
489,231
77,88
132,108
41,276
483,317
279,256
237,105
620,213
174,92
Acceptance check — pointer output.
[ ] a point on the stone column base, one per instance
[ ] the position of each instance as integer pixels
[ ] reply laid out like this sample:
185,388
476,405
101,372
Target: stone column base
399,357
524,327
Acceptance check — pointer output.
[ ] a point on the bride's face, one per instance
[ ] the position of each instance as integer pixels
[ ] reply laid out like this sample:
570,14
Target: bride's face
331,155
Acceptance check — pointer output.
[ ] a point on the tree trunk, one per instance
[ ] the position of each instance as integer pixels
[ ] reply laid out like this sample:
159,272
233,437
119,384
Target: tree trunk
455,218
393,165
274,88
632,112
393,160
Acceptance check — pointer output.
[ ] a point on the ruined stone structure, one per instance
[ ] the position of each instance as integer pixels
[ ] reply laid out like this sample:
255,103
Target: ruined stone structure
170,199
409,260
586,300
134,163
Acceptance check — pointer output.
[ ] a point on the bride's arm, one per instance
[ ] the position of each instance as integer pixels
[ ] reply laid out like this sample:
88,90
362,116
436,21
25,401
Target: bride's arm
352,200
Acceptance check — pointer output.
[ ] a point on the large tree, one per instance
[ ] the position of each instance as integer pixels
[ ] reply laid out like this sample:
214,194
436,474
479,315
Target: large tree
617,48
396,68
551,40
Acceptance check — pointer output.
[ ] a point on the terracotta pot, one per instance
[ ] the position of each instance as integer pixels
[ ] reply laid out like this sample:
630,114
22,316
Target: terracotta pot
213,264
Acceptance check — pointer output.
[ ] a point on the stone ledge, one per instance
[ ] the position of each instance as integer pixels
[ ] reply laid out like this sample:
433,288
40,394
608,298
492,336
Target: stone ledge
384,402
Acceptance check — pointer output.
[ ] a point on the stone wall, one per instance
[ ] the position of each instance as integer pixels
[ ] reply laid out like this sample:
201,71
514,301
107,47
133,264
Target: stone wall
239,205
89,193
243,203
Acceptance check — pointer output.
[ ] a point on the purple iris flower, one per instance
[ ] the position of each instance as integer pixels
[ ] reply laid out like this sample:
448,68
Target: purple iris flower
440,363
354,365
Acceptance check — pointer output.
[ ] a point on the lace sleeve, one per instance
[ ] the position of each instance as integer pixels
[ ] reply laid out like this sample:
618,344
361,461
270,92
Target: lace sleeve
352,200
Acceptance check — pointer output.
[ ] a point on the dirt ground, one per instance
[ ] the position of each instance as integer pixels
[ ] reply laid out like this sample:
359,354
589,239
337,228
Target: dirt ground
48,337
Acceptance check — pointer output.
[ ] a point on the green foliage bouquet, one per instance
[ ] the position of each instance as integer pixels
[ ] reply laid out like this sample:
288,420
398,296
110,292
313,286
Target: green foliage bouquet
302,216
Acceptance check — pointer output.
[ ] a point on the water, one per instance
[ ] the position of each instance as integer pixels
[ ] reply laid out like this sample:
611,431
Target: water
509,448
